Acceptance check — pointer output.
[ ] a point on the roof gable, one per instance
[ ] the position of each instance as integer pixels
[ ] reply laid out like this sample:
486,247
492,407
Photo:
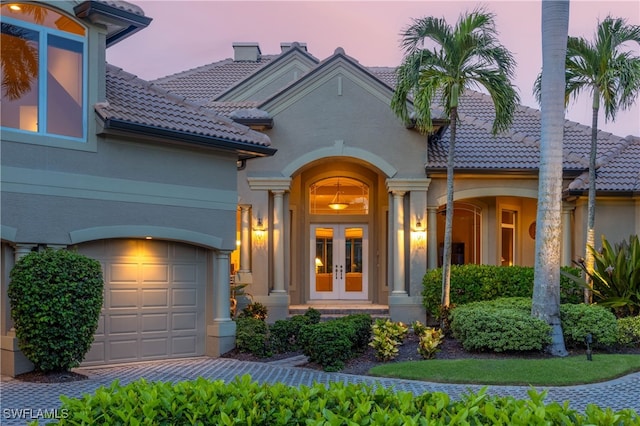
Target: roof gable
266,80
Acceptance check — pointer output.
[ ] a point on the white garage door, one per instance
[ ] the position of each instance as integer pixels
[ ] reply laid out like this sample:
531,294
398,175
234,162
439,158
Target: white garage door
154,300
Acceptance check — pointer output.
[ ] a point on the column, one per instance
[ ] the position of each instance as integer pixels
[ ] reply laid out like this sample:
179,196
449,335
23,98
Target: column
21,250
244,270
278,241
398,251
221,287
432,237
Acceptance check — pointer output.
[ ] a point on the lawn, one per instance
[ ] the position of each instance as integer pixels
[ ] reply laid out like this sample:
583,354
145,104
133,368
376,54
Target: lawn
572,370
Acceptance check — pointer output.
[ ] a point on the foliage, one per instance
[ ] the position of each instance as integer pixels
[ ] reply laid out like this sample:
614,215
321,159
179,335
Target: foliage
328,343
285,334
475,283
255,310
629,331
430,340
616,276
55,298
238,293
499,325
243,401
387,336
580,320
252,336
361,324
418,328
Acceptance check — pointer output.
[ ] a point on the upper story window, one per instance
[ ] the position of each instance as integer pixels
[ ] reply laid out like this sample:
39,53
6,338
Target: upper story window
339,195
42,71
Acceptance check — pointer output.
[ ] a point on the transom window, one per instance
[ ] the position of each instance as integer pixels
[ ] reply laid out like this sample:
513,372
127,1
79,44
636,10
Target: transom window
339,195
42,71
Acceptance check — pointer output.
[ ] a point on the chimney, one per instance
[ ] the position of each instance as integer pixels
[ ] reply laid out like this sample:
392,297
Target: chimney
247,52
286,46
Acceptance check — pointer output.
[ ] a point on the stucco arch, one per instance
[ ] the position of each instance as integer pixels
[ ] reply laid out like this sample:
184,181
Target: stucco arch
489,192
339,150
135,231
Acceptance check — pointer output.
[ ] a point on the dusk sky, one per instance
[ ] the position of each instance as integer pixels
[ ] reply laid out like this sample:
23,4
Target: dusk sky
188,34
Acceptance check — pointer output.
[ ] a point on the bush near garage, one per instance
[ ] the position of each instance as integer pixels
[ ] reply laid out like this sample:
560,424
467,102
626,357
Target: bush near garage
243,401
475,283
284,335
252,336
55,298
629,331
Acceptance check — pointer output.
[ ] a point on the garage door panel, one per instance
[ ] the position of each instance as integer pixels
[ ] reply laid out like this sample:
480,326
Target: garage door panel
184,321
155,273
121,298
184,346
184,297
123,350
154,300
155,322
155,297
123,324
123,273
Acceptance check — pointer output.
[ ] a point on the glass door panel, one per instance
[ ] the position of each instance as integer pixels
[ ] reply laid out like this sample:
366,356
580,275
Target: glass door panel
338,265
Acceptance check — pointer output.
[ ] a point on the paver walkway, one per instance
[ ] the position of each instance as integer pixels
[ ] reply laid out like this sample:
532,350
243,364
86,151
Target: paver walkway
33,398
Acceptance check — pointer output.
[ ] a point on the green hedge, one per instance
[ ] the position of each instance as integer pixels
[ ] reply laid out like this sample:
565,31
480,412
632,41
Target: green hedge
284,335
252,336
580,320
475,283
629,331
55,298
246,402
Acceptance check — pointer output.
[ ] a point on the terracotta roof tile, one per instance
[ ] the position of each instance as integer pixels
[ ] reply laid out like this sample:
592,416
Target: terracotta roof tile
136,101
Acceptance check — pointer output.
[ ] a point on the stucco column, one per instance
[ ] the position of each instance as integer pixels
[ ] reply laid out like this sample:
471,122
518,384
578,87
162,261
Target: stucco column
432,237
244,270
221,287
567,236
398,249
21,250
278,241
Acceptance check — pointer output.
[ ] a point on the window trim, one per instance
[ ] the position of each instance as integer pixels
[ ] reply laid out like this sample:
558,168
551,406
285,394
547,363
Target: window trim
43,32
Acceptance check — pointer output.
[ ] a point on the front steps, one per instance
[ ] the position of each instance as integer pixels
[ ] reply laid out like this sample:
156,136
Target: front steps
336,310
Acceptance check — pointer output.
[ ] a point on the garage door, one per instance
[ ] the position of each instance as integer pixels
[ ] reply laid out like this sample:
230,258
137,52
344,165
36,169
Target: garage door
153,301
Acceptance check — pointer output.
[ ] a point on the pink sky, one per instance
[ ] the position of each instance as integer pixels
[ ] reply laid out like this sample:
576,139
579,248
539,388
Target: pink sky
188,34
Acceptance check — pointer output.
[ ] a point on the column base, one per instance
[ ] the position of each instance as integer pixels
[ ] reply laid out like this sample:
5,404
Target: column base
406,309
12,360
221,337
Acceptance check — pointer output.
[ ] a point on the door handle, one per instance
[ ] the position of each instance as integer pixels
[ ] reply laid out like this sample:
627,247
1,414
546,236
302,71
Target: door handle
336,272
340,271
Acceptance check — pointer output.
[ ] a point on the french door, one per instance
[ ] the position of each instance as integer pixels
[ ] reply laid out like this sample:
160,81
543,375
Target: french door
338,264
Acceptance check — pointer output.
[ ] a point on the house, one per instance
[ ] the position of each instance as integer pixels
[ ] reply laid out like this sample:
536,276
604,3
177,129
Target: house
351,208
347,211
97,160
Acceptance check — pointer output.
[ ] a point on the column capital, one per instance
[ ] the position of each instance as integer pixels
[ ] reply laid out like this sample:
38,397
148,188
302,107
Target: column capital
244,207
408,184
273,184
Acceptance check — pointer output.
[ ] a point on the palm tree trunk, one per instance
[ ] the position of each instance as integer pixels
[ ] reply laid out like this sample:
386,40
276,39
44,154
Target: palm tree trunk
546,288
591,204
448,226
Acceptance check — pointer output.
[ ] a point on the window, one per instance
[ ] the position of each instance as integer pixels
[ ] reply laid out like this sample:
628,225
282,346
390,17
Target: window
339,195
508,227
42,72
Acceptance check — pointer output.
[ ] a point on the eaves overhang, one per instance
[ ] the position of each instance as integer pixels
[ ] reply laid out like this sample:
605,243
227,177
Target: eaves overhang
120,23
244,150
511,172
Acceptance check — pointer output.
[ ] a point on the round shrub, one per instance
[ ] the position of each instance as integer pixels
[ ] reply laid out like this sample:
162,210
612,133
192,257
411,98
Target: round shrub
55,298
252,336
491,326
629,331
328,343
580,320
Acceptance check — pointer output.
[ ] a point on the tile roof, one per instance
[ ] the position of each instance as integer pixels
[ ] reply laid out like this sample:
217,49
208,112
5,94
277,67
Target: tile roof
124,5
476,148
133,100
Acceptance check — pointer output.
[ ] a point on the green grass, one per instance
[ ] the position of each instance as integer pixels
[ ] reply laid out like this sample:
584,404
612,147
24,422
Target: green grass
567,371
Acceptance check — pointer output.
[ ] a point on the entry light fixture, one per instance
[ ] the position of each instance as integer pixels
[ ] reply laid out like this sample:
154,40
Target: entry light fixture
259,232
336,203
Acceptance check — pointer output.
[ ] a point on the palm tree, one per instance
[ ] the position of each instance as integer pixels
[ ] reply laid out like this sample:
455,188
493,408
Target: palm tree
467,55
546,281
613,78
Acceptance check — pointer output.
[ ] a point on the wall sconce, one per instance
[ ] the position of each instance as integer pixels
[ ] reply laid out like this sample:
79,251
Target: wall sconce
259,233
418,235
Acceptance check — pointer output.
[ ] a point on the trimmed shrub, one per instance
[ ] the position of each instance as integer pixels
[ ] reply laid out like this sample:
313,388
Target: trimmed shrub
629,331
580,320
313,315
475,283
285,334
361,324
243,401
328,343
252,336
499,326
55,298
